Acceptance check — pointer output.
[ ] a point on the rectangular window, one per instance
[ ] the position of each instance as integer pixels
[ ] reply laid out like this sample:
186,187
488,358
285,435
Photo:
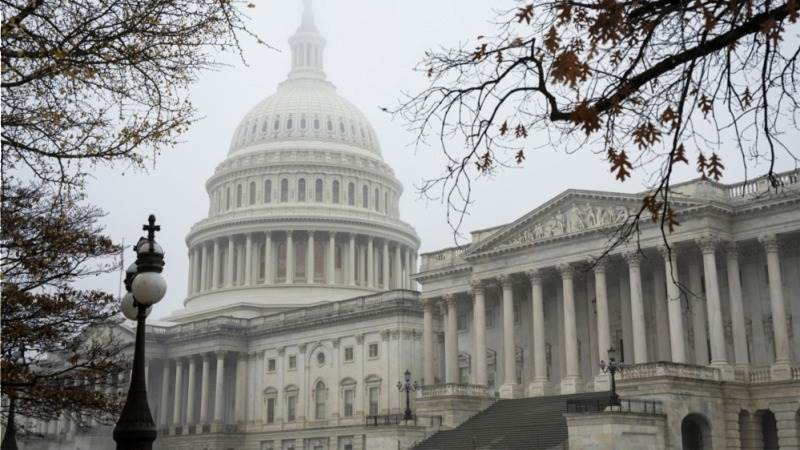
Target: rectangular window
271,365
270,410
292,362
462,322
291,407
348,354
374,394
349,396
373,350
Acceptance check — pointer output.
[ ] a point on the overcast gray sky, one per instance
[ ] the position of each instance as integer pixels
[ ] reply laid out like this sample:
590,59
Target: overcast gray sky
371,50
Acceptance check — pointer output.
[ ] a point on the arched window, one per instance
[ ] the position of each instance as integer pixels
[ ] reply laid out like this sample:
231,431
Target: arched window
316,123
289,123
265,125
695,432
284,190
365,197
277,123
377,200
386,202
341,126
227,198
268,191
351,194
238,195
320,400
251,194
335,191
330,125
318,190
301,190
303,123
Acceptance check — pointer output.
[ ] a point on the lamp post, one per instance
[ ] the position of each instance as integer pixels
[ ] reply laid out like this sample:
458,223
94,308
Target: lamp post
612,368
407,386
145,286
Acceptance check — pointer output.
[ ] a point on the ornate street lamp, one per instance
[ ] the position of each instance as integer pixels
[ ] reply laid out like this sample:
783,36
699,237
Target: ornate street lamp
407,386
612,368
145,286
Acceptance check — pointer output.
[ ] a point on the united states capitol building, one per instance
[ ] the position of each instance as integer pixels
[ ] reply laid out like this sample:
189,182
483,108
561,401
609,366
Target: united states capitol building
306,303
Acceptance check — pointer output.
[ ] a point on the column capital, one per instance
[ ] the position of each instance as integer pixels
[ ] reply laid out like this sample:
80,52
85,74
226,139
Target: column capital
428,302
450,299
281,350
669,252
221,354
707,243
566,270
360,338
504,280
732,250
599,265
289,233
310,233
534,275
770,243
385,334
268,234
302,348
476,285
633,257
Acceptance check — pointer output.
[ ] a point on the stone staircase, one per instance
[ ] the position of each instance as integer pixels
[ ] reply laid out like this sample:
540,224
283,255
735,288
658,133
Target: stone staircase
535,423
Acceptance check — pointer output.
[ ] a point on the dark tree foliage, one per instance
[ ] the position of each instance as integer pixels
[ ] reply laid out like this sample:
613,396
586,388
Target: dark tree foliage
649,83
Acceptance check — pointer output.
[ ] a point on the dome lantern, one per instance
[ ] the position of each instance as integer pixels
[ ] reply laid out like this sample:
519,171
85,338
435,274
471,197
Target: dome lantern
307,48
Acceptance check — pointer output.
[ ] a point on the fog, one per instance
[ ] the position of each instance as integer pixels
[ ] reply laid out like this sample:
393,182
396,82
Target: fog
371,49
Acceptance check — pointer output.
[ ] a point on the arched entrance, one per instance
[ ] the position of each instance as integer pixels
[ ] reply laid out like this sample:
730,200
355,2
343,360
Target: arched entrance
695,433
769,429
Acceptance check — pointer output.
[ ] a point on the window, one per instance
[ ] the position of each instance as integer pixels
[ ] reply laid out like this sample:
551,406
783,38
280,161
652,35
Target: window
341,127
377,200
330,125
351,194
252,193
365,197
268,191
284,190
292,362
238,195
303,123
228,199
320,358
301,190
336,191
277,123
289,124
291,407
270,410
271,365
320,397
348,354
264,125
374,394
386,202
462,322
316,123
349,396
318,190
373,350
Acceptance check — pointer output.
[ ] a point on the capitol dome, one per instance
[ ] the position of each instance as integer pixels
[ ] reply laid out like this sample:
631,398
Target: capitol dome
303,210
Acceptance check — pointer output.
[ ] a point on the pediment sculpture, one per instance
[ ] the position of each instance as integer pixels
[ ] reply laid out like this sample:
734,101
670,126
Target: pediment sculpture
576,218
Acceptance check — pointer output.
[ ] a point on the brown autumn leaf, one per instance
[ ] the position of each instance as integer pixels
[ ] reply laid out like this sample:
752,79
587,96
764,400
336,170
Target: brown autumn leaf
520,157
646,135
586,117
715,167
525,13
568,69
621,166
551,40
504,128
679,155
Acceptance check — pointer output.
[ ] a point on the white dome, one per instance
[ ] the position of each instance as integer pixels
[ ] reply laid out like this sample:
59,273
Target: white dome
305,109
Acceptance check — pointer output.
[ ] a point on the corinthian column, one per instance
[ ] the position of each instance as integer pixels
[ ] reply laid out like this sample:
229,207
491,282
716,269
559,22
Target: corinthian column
310,258
398,267
386,284
479,329
601,382
351,261
637,308
229,269
780,369
427,340
676,333
219,398
539,386
571,383
370,262
289,258
204,268
176,410
190,393
204,389
331,258
248,259
736,306
509,360
164,394
215,281
716,328
451,340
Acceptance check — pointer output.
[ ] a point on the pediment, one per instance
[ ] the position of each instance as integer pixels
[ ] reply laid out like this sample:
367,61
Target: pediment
569,214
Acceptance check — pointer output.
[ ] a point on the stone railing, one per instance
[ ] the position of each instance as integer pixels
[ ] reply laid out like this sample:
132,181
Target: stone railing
760,375
668,369
796,373
762,185
442,258
453,389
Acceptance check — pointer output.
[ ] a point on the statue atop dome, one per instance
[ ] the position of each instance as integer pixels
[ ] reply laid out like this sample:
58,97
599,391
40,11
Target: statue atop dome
307,48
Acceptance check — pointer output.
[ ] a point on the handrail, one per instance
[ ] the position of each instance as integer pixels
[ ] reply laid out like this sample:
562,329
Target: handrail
629,405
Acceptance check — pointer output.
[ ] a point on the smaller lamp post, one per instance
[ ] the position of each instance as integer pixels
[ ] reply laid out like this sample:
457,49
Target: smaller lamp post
612,368
135,429
408,387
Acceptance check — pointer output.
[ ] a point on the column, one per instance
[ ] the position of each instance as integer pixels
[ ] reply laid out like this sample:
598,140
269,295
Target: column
177,406
204,389
479,330
674,310
331,258
698,313
427,340
736,305
215,281
509,360
362,265
190,284
229,268
370,262
269,262
539,385
289,258
716,327
409,270
571,382
351,261
204,268
241,390
637,307
248,260
601,382
386,284
259,393
219,398
451,340
164,394
778,308
190,393
310,258
398,268
661,352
